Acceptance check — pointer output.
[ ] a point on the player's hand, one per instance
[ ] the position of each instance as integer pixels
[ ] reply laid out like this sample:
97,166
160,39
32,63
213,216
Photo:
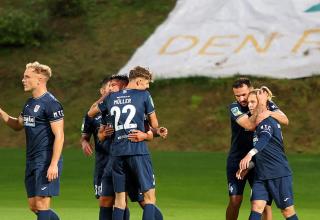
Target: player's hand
162,132
244,163
52,172
106,131
241,173
137,136
87,148
262,96
263,115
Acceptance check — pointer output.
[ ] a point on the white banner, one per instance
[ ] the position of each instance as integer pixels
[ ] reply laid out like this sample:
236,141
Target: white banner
218,38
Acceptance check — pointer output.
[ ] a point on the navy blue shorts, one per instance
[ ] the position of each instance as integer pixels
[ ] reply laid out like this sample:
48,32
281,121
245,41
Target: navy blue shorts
136,169
236,186
279,190
98,175
36,181
106,186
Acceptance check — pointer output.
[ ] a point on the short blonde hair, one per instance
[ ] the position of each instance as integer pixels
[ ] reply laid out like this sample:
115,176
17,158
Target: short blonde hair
40,68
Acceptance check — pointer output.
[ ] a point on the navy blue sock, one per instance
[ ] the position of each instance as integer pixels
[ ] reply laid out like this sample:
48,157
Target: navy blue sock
44,214
294,217
117,214
255,215
157,213
53,215
148,212
105,213
126,215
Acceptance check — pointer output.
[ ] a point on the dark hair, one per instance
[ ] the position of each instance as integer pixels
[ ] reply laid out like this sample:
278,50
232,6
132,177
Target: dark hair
104,81
139,71
122,78
240,82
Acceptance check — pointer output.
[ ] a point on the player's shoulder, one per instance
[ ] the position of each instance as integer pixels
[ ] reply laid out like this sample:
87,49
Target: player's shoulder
49,98
234,104
236,109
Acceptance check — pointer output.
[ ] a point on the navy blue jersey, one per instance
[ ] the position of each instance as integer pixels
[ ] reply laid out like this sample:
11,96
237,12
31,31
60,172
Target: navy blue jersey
241,139
271,161
128,108
37,114
90,126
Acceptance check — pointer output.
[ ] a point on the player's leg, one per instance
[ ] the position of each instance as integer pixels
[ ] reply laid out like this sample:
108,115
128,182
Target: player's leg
105,193
235,188
281,190
257,208
44,190
289,213
119,183
141,166
157,212
267,212
259,198
32,205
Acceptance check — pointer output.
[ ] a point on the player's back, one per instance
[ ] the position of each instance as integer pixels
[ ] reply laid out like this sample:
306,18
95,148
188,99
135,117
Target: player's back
128,108
271,161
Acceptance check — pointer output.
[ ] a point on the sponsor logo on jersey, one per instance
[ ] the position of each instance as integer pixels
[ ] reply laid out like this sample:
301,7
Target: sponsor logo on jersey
235,111
58,114
29,121
36,108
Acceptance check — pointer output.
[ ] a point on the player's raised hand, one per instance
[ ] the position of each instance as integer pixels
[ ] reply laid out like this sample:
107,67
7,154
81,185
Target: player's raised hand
162,132
137,136
87,148
244,163
52,172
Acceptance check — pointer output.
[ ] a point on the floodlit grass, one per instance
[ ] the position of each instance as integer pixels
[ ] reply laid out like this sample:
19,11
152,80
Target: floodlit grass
189,186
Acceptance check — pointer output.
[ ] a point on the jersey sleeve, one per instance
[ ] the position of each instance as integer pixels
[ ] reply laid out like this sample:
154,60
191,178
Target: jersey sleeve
149,105
265,132
54,111
235,112
272,106
103,106
87,127
106,119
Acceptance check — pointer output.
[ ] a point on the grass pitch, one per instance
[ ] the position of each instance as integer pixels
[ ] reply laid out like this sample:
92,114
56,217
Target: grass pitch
189,186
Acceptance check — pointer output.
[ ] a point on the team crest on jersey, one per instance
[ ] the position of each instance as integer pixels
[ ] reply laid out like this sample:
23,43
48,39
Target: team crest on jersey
29,121
36,108
235,111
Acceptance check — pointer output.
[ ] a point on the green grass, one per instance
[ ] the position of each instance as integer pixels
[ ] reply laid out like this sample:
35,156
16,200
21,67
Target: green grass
189,186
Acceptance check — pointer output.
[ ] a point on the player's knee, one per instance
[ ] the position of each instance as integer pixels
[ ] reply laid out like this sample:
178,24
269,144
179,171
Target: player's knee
235,201
149,197
106,201
287,212
258,206
42,205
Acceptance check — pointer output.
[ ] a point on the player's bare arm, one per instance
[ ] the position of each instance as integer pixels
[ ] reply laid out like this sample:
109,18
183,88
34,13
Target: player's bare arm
57,130
137,136
153,120
85,144
247,122
14,123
